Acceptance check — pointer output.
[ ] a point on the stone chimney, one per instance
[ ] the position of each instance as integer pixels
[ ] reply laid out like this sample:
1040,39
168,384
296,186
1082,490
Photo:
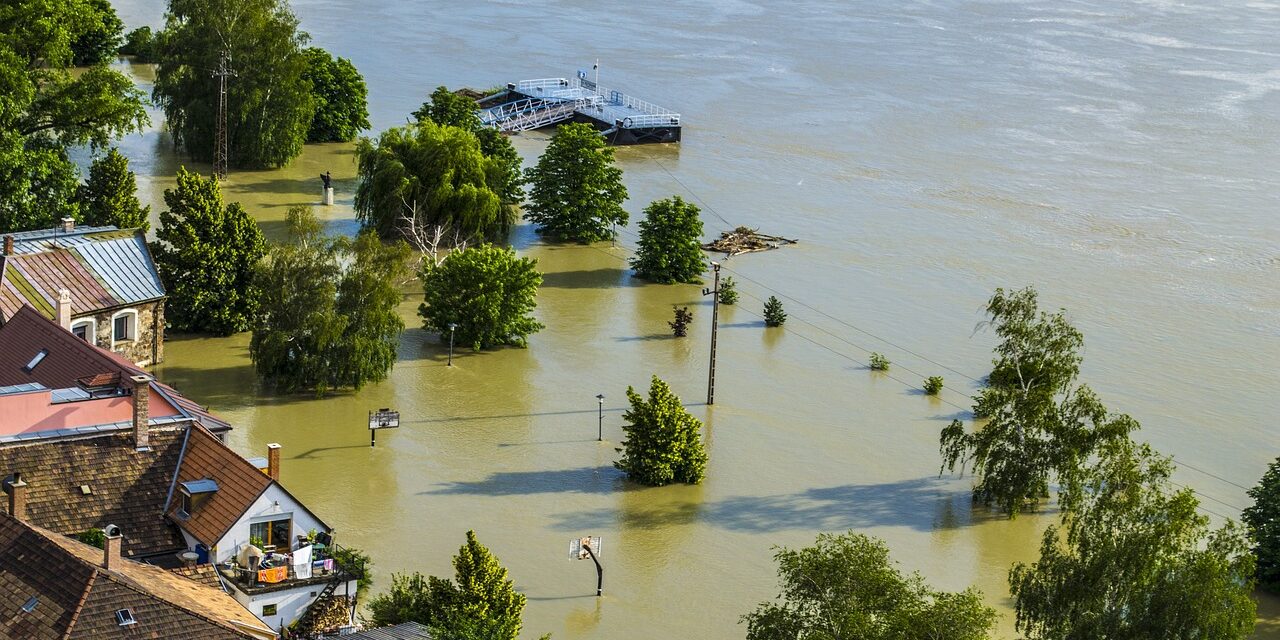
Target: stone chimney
8,245
64,309
68,225
18,497
111,548
273,461
141,414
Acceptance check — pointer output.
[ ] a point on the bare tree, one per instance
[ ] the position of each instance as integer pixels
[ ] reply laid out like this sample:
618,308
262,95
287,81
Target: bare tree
432,242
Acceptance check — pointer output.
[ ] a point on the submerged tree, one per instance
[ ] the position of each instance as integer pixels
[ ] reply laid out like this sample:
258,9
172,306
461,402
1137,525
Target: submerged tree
328,316
206,253
774,316
110,197
728,291
576,191
663,441
455,110
670,247
433,175
846,586
269,101
46,110
341,97
1133,559
486,292
1263,521
683,318
481,601
1041,424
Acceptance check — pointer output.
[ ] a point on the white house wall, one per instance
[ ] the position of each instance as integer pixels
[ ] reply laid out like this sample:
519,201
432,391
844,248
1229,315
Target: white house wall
290,603
272,504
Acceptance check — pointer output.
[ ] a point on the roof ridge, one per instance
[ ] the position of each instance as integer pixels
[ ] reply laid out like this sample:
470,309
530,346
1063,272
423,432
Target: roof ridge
75,615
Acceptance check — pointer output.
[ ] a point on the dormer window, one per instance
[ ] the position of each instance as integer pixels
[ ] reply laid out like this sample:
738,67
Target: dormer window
194,494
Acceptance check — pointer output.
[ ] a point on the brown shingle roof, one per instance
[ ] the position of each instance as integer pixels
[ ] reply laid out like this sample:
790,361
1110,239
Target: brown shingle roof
239,484
71,359
203,574
80,598
128,488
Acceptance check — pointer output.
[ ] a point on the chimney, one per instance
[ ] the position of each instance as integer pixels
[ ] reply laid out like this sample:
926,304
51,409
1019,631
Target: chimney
273,461
141,398
64,309
68,225
8,245
18,497
111,548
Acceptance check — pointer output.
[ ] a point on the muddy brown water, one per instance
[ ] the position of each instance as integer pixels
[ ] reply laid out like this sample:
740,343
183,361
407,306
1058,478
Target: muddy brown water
1119,156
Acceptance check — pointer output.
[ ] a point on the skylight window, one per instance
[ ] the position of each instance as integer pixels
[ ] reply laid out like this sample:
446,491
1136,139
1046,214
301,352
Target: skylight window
30,605
124,617
31,366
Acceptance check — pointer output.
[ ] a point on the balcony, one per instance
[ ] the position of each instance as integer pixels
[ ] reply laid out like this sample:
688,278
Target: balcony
277,573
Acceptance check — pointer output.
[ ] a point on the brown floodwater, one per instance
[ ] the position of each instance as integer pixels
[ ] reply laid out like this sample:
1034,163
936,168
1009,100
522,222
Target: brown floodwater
1118,156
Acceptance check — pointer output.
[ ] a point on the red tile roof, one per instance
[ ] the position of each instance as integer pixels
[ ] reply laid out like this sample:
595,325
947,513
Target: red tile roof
239,485
77,598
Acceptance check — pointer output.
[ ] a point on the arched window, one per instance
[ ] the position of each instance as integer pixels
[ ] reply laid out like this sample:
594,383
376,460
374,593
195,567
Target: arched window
124,326
86,329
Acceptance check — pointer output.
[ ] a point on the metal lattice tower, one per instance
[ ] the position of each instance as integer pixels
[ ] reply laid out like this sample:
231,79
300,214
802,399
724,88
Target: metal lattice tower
220,137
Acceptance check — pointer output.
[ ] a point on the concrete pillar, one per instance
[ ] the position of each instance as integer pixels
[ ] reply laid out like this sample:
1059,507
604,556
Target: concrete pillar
328,195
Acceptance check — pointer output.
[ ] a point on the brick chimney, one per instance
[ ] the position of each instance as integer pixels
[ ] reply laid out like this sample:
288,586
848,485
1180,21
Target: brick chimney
8,245
18,497
68,225
141,414
64,309
111,547
273,461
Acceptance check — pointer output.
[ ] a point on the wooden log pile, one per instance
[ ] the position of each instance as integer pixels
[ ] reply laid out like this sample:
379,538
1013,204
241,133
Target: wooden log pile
745,240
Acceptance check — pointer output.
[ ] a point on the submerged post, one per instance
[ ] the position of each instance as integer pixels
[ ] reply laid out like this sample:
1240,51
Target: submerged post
599,572
715,324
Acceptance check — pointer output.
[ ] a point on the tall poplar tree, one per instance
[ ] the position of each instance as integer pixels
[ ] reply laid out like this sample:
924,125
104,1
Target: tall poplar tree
207,253
670,247
270,105
663,441
576,191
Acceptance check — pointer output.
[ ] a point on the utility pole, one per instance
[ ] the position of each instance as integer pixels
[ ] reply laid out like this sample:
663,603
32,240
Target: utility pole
715,324
220,137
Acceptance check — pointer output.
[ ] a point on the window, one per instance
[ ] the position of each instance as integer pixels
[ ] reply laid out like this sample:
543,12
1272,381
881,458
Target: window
268,610
86,330
35,361
124,326
272,532
186,506
124,617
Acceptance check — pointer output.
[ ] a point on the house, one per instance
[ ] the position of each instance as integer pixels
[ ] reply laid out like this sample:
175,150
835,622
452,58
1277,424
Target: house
96,442
99,283
54,587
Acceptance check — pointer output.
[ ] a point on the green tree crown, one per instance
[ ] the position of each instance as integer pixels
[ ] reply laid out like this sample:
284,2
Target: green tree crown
1263,521
576,191
206,254
1132,558
270,105
341,97
670,247
774,316
663,441
487,292
98,43
450,109
110,197
846,586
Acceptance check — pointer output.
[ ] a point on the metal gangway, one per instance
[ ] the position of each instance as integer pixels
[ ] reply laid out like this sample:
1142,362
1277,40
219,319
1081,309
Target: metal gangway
533,113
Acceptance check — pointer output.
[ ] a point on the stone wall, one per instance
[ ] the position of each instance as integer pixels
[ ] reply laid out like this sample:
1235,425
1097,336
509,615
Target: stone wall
148,347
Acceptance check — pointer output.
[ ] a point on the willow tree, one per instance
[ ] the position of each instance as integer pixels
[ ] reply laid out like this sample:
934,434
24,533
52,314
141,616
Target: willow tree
45,109
576,191
1041,424
445,107
270,105
1132,558
429,175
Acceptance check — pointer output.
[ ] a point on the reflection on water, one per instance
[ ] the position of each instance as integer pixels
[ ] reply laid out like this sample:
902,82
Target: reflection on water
1117,155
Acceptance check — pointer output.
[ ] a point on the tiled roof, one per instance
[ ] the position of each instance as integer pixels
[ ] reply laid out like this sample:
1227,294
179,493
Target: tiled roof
239,485
127,488
203,574
404,631
71,359
102,269
77,598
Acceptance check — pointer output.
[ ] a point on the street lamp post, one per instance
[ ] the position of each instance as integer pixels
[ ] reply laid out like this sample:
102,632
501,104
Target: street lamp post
452,327
600,425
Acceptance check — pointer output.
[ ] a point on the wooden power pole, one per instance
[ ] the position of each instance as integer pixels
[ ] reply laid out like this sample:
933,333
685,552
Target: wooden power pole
715,325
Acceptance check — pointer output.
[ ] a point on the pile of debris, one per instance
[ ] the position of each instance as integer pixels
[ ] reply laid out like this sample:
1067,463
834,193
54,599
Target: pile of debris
745,240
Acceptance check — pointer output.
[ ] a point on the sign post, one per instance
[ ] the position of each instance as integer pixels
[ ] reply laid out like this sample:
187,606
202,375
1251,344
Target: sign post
382,419
589,547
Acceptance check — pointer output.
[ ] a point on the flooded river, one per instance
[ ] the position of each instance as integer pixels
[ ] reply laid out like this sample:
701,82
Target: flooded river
1120,156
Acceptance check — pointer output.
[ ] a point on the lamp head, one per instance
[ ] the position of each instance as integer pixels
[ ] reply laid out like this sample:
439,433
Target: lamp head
600,397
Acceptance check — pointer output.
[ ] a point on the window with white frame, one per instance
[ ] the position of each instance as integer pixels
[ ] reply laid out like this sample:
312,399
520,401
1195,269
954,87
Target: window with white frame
86,330
124,326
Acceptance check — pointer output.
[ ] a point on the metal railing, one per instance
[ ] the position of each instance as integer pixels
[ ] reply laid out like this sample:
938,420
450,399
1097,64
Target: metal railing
590,95
541,83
